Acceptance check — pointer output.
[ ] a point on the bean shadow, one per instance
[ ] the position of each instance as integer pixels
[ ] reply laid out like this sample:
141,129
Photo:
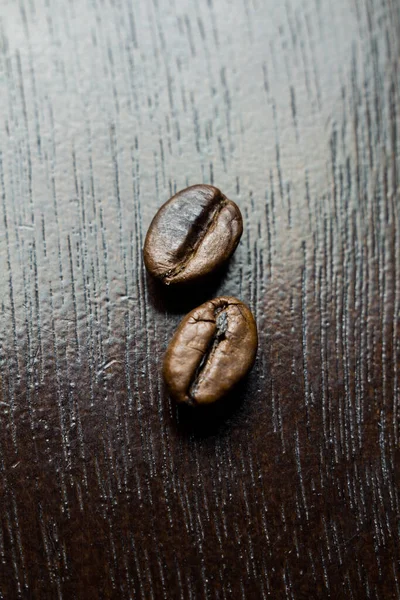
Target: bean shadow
178,299
215,419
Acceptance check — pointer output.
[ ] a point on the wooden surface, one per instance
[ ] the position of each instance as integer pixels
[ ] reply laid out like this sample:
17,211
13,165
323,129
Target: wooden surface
106,489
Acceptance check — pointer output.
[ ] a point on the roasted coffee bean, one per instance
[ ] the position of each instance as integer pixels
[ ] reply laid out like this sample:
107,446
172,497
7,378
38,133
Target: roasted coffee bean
212,350
192,234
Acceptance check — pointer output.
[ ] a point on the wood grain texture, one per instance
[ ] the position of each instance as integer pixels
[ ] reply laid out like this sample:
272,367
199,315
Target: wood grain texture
291,108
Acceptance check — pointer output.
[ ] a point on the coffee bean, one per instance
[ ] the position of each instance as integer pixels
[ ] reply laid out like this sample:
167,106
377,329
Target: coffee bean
192,234
212,350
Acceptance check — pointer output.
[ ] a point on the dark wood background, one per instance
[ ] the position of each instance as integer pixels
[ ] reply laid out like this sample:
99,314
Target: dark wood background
291,490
